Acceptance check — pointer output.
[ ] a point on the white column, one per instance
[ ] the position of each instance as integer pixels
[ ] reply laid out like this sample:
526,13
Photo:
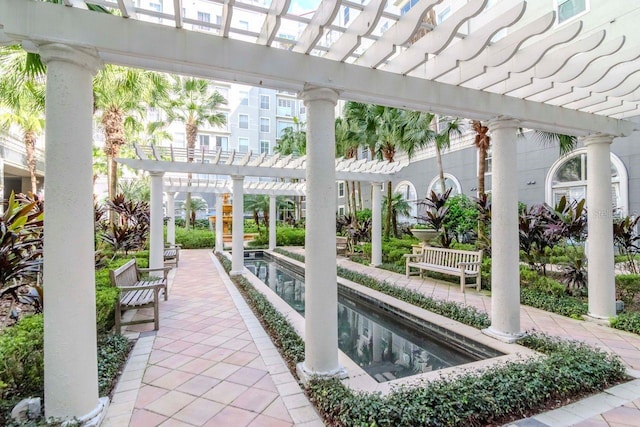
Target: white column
602,290
505,273
272,222
171,217
156,241
1,185
376,224
376,336
70,356
321,294
237,244
219,223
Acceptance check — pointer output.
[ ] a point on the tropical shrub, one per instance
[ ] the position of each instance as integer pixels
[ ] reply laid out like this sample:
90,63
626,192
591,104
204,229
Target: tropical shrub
462,217
129,231
436,213
627,288
627,241
195,238
627,321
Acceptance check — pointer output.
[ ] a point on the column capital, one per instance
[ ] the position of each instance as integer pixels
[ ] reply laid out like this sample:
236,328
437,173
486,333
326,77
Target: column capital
171,193
314,93
377,184
237,177
156,173
596,138
502,122
82,57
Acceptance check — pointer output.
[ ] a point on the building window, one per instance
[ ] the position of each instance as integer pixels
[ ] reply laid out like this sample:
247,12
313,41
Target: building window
568,178
280,126
444,14
285,107
265,102
303,110
488,161
222,142
341,210
568,9
346,15
450,181
243,145
341,189
224,91
225,126
204,17
407,6
203,142
243,121
155,6
409,194
265,147
243,25
265,125
244,97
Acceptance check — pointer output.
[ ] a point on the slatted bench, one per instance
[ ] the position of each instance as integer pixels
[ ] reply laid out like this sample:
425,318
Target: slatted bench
341,244
137,292
172,254
447,261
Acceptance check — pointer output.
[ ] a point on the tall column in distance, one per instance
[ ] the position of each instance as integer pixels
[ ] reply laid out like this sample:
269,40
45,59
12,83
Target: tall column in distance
70,355
219,223
237,244
376,224
505,270
156,240
171,217
600,268
272,222
321,289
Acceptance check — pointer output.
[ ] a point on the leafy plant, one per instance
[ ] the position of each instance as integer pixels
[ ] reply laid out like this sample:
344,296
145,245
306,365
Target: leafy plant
627,321
130,231
628,288
436,214
20,242
462,217
627,241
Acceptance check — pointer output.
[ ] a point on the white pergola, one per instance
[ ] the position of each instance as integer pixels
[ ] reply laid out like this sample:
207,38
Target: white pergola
579,77
160,161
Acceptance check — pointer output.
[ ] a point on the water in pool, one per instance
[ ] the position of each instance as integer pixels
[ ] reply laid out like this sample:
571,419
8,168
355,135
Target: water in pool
384,345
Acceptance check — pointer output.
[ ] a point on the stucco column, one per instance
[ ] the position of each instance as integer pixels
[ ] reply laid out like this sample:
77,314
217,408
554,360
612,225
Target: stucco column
376,337
602,289
156,240
321,291
219,223
505,272
171,217
272,222
70,356
237,243
376,224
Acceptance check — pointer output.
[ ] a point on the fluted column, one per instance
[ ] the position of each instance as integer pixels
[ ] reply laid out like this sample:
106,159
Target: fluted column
376,224
272,222
602,289
321,293
156,240
171,217
219,223
237,244
505,272
70,356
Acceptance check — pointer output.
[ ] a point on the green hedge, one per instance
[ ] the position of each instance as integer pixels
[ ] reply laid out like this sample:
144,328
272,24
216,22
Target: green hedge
627,321
195,238
285,236
550,295
492,396
627,288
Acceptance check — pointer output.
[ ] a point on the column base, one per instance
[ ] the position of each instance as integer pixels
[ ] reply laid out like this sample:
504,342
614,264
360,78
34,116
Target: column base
507,337
93,418
600,320
374,265
236,273
305,374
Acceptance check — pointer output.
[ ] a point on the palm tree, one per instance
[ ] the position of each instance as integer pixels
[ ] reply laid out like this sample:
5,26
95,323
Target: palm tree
347,142
566,143
121,97
292,141
257,203
442,141
482,142
399,207
194,104
21,103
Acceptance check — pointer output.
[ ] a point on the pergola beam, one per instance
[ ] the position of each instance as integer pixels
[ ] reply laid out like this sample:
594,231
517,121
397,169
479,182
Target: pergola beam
125,42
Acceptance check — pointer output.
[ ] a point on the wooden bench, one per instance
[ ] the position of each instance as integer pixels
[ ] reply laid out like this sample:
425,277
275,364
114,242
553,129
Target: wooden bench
138,292
172,254
341,244
447,261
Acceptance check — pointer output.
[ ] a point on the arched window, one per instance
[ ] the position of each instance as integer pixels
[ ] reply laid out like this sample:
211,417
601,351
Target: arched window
450,181
568,177
409,194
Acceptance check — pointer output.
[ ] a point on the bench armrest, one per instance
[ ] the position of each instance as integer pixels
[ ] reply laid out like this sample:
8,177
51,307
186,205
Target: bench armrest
170,246
147,270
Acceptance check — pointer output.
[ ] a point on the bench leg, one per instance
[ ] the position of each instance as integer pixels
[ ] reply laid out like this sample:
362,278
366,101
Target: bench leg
118,316
166,292
479,281
408,270
463,281
156,309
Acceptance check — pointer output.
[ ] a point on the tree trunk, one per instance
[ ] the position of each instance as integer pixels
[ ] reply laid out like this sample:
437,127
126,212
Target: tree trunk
387,222
360,195
192,133
30,147
113,125
353,198
481,190
346,192
440,169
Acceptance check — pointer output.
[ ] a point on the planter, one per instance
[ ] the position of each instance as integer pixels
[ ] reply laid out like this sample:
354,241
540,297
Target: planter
424,234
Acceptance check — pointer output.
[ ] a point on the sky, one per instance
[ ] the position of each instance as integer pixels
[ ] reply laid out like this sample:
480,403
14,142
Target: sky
300,6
